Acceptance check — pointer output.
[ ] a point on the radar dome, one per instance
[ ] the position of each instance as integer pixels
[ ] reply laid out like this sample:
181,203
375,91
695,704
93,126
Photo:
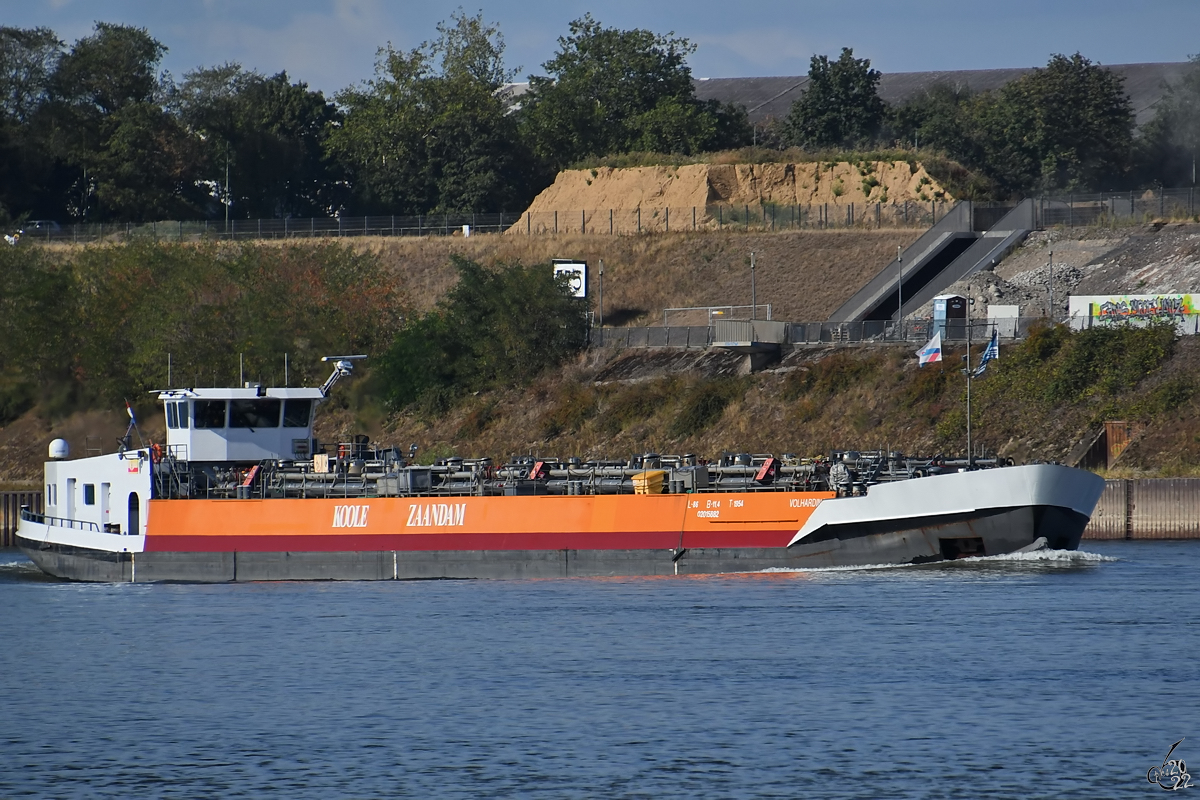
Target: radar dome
59,448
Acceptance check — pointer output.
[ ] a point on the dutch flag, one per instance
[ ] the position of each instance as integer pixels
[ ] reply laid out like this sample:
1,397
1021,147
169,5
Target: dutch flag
932,351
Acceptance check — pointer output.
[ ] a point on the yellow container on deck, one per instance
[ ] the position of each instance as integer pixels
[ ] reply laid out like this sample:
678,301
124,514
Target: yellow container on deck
649,482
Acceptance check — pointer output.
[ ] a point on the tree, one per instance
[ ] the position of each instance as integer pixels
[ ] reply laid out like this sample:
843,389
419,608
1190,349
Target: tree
271,134
128,158
1169,146
115,66
495,327
147,166
28,58
613,91
28,175
934,118
1066,127
840,107
432,130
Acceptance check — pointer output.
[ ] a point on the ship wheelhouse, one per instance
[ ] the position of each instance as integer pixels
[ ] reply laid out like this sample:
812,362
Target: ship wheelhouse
250,424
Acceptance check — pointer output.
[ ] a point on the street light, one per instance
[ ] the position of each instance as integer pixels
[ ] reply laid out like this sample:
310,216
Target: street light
899,287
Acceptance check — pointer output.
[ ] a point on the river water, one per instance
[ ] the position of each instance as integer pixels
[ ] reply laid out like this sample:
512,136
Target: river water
1060,675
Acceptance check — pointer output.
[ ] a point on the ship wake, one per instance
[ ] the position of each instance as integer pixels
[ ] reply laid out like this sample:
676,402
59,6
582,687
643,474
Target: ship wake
1042,557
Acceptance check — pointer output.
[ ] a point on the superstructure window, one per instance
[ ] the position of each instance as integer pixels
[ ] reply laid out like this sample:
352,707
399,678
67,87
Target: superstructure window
183,414
210,413
172,417
89,494
254,414
296,413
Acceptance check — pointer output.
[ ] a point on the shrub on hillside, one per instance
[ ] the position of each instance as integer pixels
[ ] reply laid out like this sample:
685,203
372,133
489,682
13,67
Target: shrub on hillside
495,327
703,403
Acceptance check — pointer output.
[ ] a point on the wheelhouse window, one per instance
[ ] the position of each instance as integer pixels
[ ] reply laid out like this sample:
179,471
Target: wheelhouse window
172,417
183,413
296,413
254,414
210,413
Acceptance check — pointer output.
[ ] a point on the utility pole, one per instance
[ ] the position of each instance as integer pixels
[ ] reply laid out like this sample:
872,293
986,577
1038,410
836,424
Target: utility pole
899,288
226,189
753,294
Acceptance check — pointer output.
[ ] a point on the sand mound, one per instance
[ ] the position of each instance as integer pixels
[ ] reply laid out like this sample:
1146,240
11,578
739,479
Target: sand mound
594,199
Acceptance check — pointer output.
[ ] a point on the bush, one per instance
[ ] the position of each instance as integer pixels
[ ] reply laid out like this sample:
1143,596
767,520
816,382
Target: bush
631,404
703,403
495,327
1107,361
830,375
574,406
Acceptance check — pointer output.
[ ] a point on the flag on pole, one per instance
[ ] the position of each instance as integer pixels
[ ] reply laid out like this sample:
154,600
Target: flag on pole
129,410
990,353
932,351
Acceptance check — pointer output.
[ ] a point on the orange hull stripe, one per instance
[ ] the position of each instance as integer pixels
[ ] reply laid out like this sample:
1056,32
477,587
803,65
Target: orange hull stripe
712,517
659,540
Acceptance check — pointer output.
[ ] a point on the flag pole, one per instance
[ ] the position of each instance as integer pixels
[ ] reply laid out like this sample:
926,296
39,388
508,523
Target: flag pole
970,453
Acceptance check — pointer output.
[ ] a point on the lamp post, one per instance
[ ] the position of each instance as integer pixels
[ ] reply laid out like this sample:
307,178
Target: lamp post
899,289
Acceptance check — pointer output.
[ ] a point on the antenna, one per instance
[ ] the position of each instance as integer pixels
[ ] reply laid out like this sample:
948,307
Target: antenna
343,366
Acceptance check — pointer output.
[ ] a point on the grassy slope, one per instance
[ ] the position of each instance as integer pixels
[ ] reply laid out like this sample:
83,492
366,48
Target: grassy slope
615,404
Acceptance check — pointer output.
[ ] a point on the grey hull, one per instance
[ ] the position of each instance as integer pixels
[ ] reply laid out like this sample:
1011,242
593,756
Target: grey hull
926,541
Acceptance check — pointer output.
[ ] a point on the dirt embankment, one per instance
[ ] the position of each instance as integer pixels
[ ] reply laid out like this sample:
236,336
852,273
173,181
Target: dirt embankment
804,275
585,196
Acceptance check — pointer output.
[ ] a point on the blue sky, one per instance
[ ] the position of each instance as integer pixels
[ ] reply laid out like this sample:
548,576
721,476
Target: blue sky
331,44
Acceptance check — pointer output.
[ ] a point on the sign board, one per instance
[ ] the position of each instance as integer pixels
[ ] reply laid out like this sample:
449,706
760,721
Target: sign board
1005,320
576,272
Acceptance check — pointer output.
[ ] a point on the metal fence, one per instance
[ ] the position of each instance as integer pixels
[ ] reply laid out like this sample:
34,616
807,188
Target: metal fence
759,217
1083,210
914,331
1079,210
1148,508
10,512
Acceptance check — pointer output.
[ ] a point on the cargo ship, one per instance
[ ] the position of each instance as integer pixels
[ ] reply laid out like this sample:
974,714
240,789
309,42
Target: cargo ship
242,491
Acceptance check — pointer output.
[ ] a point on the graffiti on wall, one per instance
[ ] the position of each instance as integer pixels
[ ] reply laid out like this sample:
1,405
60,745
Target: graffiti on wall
1168,306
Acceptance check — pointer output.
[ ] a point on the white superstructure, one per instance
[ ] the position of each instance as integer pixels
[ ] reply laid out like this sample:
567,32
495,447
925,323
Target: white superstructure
249,424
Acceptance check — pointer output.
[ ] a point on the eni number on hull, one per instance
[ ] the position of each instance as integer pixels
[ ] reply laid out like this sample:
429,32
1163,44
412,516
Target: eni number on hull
242,491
